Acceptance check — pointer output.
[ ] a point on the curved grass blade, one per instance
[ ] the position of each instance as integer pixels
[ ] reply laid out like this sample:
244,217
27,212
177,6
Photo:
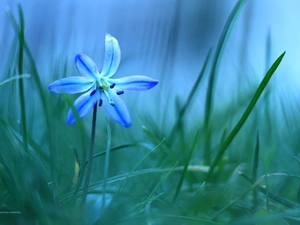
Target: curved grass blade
138,164
142,160
165,149
20,81
155,188
245,115
119,178
187,219
112,150
186,165
271,194
191,96
253,186
15,78
214,70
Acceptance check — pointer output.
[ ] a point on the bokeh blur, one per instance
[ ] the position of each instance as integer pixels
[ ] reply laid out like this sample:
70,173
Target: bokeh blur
170,41
167,40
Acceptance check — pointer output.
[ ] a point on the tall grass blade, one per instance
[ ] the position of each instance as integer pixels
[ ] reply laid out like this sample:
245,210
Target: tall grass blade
191,95
214,70
21,84
267,194
245,115
40,89
186,165
254,169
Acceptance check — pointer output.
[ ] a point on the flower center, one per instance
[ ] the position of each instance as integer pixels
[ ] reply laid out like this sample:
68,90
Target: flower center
104,86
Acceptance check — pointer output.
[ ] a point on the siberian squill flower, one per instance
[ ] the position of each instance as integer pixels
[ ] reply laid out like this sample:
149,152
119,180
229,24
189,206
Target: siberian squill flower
100,87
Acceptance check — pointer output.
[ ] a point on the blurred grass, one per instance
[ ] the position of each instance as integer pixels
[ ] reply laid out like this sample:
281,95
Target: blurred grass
161,178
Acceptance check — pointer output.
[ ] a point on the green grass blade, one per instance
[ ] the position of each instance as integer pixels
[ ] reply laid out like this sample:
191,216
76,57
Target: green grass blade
253,186
145,157
15,78
171,155
119,147
21,84
254,170
40,88
140,162
216,61
191,95
255,159
274,197
186,164
267,194
155,188
215,65
215,215
245,115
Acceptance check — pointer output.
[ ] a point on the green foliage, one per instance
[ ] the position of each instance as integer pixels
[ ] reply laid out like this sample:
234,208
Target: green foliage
165,177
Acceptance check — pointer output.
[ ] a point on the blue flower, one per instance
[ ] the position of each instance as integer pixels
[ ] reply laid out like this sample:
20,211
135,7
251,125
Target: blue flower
100,87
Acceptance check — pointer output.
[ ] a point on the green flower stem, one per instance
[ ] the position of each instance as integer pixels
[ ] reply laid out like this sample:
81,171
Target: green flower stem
89,167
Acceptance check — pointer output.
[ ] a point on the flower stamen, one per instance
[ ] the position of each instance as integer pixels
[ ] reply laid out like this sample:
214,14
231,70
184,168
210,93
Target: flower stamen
120,92
93,92
112,86
100,102
109,99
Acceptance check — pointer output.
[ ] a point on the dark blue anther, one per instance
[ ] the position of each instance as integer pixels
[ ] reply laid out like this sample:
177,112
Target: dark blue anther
120,92
93,92
112,85
100,87
100,102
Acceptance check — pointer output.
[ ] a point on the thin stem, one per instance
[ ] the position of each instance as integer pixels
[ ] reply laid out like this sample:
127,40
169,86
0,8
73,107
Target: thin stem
106,165
21,85
89,167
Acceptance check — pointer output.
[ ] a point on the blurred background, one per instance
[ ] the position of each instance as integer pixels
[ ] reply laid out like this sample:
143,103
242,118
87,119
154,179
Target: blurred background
169,41
166,40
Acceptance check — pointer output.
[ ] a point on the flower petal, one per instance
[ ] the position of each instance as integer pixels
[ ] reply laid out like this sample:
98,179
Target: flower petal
119,112
134,83
112,56
84,104
71,85
86,66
